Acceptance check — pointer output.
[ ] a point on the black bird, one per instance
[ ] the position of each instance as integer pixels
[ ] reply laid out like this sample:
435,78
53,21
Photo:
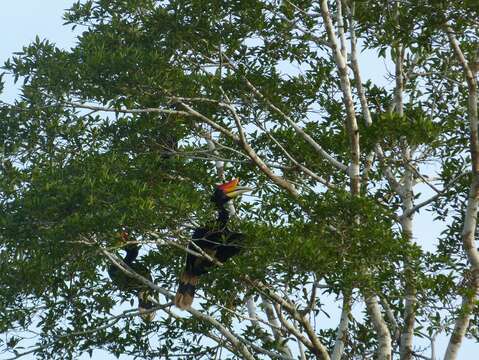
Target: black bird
131,285
217,241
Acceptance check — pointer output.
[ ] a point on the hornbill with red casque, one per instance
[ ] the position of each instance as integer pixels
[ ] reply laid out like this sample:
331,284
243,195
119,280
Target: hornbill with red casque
217,241
128,284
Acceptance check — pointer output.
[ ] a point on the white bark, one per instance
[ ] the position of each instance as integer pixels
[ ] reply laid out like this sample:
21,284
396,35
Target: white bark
341,333
406,343
351,122
232,338
275,325
314,343
356,72
380,326
470,218
333,161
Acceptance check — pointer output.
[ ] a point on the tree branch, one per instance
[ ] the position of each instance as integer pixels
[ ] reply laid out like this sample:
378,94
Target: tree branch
278,180
290,121
442,192
384,337
317,347
295,162
470,218
275,326
341,334
351,122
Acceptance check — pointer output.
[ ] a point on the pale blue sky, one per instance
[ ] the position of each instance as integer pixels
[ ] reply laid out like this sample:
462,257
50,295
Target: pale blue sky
22,20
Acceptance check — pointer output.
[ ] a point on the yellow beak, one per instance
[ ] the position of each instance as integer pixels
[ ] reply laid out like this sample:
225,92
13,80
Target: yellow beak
232,190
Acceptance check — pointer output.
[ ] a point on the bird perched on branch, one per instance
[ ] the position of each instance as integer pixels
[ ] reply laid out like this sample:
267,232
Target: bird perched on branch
129,284
217,241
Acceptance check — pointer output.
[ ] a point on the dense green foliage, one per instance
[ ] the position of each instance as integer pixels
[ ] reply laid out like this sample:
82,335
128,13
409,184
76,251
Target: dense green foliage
72,177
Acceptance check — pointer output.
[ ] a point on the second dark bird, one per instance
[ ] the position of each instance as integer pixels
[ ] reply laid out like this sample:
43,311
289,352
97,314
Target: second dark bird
129,284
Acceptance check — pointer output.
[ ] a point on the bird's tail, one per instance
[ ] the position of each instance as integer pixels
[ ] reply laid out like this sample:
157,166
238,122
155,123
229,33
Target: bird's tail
146,303
186,290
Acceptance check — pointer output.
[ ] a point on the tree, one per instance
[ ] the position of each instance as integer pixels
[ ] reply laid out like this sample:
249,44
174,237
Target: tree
158,101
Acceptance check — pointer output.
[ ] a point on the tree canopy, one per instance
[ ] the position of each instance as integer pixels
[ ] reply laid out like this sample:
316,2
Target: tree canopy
158,101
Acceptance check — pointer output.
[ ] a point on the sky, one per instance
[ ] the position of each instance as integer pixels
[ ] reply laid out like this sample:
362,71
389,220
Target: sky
22,20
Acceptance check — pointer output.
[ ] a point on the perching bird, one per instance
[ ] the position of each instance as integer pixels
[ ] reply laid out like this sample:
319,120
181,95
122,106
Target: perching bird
217,241
131,285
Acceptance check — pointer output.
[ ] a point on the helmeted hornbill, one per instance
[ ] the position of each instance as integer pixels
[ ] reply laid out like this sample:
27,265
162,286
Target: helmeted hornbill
126,283
217,241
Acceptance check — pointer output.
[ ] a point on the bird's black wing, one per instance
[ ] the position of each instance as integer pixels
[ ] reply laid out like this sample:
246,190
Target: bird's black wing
230,246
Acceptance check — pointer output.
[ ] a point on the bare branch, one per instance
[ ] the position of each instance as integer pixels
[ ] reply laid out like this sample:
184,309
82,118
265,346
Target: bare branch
384,337
351,122
396,333
442,192
340,21
295,162
125,111
341,334
407,333
292,329
317,347
470,219
356,72
278,180
275,326
298,129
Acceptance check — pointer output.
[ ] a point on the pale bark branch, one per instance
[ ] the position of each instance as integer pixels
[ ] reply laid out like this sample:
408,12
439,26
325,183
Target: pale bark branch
380,326
365,104
303,168
364,101
271,354
355,67
399,76
302,355
333,161
395,331
470,218
233,339
352,126
340,21
407,195
341,334
317,347
278,180
409,315
442,192
253,317
292,329
125,111
275,327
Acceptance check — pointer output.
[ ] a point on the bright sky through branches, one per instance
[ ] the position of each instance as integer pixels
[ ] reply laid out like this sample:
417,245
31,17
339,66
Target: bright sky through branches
22,20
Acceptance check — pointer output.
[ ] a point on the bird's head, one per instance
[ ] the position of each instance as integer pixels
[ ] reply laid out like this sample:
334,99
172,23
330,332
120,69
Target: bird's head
227,191
124,241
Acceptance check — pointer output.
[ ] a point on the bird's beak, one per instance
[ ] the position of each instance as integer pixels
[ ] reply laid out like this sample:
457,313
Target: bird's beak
238,190
232,190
